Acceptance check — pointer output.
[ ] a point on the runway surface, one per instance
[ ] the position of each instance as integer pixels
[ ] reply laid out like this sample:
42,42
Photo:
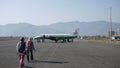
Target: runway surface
79,54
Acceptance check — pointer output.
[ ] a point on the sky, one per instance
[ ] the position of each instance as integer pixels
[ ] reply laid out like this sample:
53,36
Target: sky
45,12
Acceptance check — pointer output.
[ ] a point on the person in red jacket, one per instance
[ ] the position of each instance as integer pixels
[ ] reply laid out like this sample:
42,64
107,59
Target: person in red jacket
29,49
21,46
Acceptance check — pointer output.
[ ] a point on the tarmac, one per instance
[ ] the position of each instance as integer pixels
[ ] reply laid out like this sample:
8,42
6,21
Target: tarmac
79,54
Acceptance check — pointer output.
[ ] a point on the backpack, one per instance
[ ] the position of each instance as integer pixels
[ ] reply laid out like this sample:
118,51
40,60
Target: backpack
29,45
21,47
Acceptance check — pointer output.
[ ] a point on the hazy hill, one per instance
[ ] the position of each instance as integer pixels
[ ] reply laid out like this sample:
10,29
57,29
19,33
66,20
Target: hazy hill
23,29
85,28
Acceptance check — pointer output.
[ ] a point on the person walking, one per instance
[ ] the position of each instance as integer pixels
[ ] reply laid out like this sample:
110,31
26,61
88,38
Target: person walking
21,51
29,49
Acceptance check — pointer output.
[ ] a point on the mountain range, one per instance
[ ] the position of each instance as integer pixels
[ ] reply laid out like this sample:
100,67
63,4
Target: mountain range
85,28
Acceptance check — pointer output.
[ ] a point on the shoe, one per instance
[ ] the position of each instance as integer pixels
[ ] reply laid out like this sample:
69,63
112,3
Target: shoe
28,61
23,65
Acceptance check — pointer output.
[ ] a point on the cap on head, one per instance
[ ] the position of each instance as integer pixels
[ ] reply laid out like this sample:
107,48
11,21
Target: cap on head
30,39
22,39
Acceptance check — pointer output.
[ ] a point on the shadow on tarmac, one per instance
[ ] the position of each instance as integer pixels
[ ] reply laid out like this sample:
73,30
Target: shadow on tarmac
56,62
28,67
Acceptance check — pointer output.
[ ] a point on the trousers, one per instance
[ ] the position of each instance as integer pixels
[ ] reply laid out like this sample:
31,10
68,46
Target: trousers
21,58
31,55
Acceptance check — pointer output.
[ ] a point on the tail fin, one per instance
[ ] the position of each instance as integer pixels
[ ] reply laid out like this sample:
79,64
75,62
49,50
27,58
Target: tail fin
76,32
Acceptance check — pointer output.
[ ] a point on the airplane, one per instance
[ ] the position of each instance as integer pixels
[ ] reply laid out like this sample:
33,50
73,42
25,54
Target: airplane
57,37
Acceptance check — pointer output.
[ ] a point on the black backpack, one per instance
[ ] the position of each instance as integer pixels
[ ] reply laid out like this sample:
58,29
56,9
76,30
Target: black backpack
21,47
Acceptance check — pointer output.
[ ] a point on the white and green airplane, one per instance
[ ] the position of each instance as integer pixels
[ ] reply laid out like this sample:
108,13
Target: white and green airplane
58,37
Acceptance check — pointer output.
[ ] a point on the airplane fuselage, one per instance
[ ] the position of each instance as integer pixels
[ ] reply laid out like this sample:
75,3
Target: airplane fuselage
56,37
